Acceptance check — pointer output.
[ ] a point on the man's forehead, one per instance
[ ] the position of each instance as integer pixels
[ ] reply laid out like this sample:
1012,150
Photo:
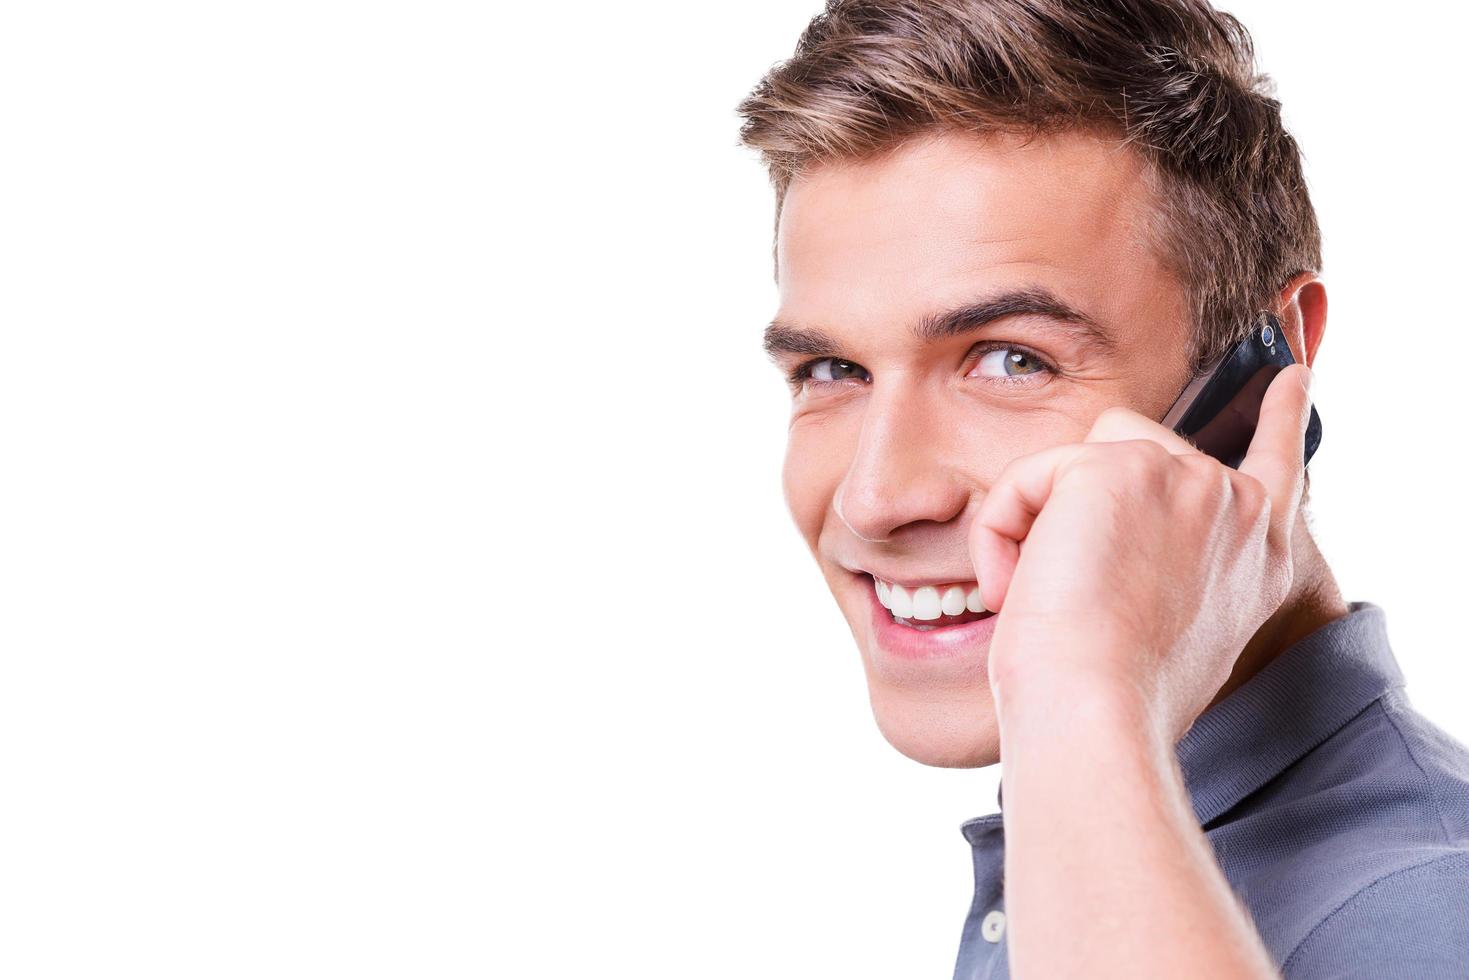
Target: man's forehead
954,194
943,217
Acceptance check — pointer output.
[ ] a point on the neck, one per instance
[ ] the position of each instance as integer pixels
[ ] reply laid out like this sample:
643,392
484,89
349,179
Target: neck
1314,601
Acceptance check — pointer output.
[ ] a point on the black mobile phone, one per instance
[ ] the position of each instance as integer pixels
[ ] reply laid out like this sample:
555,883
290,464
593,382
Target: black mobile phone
1219,409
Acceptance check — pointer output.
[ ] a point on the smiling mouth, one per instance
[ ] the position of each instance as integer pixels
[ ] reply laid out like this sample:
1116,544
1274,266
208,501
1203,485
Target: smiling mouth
929,607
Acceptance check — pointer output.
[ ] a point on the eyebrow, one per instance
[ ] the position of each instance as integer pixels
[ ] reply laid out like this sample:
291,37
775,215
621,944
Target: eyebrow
784,338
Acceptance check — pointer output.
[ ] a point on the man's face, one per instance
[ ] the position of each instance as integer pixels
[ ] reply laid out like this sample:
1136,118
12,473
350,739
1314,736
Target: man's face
896,437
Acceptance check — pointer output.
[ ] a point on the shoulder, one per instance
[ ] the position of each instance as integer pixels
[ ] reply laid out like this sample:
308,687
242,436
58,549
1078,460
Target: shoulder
1410,922
1395,855
1389,781
1370,825
1438,758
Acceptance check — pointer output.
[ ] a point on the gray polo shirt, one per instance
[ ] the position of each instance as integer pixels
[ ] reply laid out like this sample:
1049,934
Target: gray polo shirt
1339,814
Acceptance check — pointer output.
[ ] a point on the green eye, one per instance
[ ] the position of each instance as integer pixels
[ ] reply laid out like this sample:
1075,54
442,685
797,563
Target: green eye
827,371
1002,362
838,371
1010,362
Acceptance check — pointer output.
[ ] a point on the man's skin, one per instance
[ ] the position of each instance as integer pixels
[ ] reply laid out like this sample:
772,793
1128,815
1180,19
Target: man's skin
1151,580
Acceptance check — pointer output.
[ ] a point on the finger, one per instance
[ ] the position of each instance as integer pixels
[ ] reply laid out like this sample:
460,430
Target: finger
1007,513
1276,456
995,558
1241,414
1118,424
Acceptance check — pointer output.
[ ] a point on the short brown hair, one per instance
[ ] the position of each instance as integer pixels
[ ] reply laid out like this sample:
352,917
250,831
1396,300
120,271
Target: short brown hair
1175,79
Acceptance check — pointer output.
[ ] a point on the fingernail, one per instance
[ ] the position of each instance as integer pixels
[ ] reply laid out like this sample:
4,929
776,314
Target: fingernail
1310,379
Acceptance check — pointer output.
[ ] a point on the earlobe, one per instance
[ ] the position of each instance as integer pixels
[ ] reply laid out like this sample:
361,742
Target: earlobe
1302,309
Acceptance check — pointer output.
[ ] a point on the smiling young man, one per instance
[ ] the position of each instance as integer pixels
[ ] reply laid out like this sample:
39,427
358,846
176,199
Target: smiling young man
1008,233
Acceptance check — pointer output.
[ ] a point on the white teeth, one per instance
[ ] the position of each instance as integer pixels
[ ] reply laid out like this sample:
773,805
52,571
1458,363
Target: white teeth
973,602
926,603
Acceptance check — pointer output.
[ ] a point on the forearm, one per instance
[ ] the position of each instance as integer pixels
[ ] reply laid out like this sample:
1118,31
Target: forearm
1107,873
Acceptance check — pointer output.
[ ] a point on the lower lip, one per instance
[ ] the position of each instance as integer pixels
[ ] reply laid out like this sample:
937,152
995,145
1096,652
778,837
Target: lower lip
908,643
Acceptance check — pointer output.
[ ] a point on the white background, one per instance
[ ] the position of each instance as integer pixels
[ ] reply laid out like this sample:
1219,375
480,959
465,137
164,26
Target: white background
396,580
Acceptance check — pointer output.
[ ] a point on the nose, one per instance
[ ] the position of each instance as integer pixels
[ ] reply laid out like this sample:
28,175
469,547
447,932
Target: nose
905,469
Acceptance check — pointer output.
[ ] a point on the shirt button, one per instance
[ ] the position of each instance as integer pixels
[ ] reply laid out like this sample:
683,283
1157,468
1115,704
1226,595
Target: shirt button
993,926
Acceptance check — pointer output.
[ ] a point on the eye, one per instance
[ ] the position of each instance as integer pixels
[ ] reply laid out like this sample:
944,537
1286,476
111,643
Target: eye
827,371
1001,362
1007,362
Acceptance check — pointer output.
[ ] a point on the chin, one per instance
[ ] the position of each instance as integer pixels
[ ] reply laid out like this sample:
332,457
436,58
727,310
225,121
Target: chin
949,730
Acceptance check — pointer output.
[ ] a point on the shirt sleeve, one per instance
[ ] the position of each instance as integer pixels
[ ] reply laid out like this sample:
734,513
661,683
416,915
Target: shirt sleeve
1413,923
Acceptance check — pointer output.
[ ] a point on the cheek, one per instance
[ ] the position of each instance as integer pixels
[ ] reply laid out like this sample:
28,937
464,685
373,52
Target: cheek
812,472
993,441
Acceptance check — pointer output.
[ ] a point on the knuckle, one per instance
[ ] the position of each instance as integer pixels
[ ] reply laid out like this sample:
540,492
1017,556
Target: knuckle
1205,469
1142,453
1204,466
1254,498
1206,474
1148,465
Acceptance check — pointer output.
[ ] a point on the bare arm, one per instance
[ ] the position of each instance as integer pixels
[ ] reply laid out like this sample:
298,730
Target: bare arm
1108,873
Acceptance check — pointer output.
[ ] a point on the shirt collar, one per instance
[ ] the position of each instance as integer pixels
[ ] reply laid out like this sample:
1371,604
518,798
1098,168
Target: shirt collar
1287,708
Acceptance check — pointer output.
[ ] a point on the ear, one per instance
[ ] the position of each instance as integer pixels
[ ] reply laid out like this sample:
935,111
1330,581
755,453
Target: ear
1302,310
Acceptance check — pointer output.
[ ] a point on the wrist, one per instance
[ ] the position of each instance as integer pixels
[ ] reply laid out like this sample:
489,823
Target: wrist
1068,746
1074,706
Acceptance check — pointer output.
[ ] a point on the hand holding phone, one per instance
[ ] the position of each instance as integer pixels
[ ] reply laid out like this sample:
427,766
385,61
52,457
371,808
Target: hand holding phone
1219,409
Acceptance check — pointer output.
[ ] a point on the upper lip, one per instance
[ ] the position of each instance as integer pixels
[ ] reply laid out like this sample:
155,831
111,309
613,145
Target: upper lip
911,580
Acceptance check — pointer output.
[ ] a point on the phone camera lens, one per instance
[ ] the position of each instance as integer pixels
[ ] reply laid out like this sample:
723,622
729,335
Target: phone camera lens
1267,336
